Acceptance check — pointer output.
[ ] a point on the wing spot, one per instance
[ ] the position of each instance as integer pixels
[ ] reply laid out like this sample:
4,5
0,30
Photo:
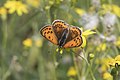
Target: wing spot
51,32
49,37
44,33
76,41
49,28
71,44
48,32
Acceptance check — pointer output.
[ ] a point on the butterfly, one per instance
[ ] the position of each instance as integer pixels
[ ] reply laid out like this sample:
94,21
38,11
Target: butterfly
62,34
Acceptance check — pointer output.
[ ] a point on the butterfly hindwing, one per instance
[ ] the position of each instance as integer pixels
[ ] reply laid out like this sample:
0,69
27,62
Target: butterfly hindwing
59,26
73,32
49,34
76,42
74,38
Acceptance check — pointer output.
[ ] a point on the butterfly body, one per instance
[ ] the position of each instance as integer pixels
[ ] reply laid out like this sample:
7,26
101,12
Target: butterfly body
62,34
63,37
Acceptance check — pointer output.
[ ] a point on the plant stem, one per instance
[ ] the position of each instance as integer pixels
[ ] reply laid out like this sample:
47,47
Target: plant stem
4,41
89,66
76,66
41,68
4,45
54,62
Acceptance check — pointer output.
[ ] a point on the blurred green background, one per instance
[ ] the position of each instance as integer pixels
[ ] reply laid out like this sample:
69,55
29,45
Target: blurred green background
26,55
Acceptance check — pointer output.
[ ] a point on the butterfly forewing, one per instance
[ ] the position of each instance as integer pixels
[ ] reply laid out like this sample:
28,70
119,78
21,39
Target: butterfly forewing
59,26
74,38
49,34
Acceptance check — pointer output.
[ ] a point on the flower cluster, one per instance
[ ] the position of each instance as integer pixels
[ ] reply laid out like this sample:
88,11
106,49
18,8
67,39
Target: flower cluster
111,8
16,6
29,42
115,62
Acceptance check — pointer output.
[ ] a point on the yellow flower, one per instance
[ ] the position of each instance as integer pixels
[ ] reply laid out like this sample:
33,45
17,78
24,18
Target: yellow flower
85,34
107,76
3,13
105,64
38,42
84,42
116,10
16,6
107,7
34,3
117,58
79,11
111,8
103,68
112,62
117,43
27,42
115,61
102,47
71,72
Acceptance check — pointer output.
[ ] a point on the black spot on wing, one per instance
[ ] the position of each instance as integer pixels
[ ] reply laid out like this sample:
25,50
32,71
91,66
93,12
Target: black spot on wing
49,37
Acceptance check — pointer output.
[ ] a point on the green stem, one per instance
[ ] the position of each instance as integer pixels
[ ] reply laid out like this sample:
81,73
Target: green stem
4,41
4,45
89,66
49,17
41,67
118,24
76,66
54,62
6,75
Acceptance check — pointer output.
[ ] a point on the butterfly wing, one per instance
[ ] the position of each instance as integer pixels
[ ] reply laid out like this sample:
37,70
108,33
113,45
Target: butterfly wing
49,34
59,26
74,38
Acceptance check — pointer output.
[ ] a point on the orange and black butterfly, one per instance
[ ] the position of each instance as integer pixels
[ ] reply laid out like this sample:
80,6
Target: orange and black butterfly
62,34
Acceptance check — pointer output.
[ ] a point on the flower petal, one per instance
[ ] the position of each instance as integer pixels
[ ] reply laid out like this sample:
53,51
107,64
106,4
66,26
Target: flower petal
88,32
84,42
